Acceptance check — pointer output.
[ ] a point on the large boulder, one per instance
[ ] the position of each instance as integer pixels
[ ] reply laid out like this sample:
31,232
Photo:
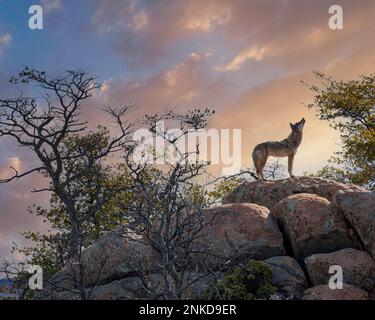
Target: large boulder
268,193
323,292
357,266
287,276
242,231
311,224
117,254
123,289
359,209
133,288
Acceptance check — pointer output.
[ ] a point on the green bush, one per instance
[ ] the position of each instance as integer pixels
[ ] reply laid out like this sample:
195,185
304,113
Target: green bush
245,282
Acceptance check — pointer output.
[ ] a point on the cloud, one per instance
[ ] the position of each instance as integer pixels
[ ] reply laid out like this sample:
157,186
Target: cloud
4,41
118,15
51,5
191,17
253,53
185,85
15,198
7,165
147,32
153,33
209,19
140,21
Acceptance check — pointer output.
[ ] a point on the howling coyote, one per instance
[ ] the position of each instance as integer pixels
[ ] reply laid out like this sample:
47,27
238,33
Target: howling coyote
285,148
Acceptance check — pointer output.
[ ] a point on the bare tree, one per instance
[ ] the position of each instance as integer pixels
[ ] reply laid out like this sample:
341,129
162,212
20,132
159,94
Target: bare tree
18,277
169,211
43,124
275,170
168,205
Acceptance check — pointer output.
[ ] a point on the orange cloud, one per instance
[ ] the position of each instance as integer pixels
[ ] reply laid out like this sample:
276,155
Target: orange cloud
207,17
185,85
253,53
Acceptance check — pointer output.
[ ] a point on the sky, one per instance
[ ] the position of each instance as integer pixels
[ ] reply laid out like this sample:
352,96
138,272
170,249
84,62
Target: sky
243,58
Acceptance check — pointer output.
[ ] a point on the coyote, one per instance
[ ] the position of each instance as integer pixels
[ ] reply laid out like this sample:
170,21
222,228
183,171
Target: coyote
285,148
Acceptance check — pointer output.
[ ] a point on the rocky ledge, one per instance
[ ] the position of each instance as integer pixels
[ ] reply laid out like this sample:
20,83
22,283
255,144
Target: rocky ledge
299,227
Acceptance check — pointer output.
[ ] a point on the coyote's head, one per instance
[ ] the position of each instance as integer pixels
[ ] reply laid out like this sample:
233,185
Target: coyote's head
298,127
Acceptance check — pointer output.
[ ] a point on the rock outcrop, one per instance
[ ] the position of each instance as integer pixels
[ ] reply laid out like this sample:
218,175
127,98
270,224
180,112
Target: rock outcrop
133,288
298,227
358,268
268,193
287,276
243,231
359,208
311,224
115,255
324,292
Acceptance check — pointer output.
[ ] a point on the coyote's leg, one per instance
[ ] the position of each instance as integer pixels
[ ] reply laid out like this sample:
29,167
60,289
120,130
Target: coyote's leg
290,164
263,162
260,159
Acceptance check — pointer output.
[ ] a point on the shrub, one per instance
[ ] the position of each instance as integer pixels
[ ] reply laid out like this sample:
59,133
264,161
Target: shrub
245,282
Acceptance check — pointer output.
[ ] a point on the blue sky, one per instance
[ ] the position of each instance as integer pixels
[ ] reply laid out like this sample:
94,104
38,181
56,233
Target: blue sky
65,42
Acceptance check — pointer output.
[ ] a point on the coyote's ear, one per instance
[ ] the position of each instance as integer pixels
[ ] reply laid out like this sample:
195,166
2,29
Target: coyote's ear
291,125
